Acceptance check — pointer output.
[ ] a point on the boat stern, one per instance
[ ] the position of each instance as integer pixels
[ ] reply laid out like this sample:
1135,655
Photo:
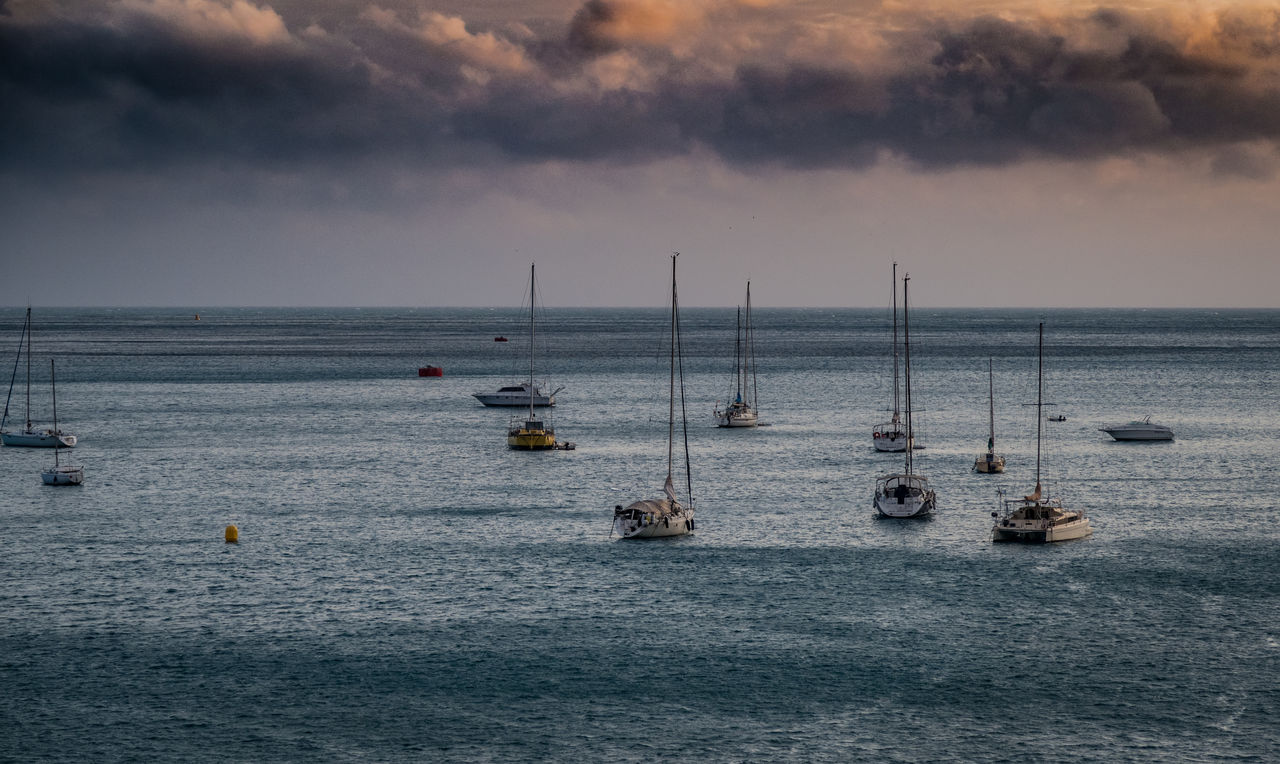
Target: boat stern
531,436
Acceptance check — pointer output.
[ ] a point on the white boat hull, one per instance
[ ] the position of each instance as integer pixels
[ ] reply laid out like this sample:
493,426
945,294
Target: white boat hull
652,519
674,526
515,399
903,496
889,441
911,506
1040,521
44,439
1043,535
1134,434
63,475
989,464
746,418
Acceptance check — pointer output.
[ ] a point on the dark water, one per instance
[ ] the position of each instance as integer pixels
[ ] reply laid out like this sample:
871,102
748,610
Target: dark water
406,588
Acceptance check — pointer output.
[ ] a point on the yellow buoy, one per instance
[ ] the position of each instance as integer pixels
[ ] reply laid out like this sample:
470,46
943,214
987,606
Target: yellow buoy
233,534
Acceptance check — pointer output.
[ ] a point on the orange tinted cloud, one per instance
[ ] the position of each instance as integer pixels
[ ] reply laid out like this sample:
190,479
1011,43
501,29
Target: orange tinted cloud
811,84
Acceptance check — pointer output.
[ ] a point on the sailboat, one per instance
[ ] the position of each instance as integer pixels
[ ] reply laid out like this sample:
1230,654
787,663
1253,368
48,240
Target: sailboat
889,436
905,494
990,462
740,411
59,473
531,433
667,516
29,436
1036,517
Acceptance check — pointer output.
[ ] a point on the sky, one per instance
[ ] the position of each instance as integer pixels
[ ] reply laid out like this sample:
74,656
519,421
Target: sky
402,153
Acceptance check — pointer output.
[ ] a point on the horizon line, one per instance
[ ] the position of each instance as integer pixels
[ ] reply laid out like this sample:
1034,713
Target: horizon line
195,307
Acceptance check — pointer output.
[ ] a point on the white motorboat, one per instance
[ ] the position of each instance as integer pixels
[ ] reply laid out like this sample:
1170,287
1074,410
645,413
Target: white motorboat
740,411
990,462
905,494
59,473
518,395
531,433
1139,429
667,516
30,436
890,436
1037,518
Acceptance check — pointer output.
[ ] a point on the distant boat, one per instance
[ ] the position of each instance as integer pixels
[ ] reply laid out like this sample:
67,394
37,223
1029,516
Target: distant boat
1058,418
654,518
531,433
890,436
499,339
990,462
29,436
906,494
741,411
1139,429
430,371
518,395
1036,518
59,473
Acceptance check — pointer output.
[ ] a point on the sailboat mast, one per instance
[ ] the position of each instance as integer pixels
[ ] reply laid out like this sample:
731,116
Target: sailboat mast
991,398
737,358
531,299
751,351
57,439
26,326
896,406
29,369
671,391
1039,404
906,344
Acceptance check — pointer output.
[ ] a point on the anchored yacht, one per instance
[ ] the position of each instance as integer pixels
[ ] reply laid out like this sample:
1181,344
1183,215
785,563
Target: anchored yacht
1139,429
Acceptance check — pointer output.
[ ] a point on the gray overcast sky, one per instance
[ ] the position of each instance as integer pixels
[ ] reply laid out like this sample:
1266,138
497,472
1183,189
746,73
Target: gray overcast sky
238,152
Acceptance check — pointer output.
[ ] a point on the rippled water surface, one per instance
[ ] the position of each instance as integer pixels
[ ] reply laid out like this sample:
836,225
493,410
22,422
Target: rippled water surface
406,588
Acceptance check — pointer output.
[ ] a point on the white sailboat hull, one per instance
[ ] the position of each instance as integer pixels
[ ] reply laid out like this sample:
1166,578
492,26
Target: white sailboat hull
906,507
903,496
658,527
651,519
43,439
989,464
737,418
65,474
678,526
889,441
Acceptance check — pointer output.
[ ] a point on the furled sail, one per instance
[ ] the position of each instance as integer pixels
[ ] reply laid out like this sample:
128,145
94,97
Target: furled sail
1035,496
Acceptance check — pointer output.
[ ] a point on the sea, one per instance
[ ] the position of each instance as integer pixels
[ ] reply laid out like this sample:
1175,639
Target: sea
405,588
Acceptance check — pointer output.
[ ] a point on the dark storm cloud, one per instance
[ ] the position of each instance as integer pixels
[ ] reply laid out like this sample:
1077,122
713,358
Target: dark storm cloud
95,97
153,89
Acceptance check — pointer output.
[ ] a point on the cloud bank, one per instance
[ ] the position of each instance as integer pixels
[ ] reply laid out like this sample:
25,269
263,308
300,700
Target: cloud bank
138,85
